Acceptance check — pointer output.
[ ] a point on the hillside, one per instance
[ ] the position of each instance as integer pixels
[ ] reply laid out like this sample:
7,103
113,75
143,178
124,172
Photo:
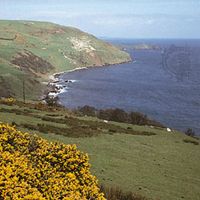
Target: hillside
145,160
31,51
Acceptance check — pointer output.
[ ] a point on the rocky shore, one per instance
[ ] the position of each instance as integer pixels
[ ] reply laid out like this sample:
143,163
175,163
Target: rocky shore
56,86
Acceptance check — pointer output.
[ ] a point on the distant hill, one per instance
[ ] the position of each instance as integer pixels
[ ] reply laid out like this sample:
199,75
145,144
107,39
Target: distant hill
31,51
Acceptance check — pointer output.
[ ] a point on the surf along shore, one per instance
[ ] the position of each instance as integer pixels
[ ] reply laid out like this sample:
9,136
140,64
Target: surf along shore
56,86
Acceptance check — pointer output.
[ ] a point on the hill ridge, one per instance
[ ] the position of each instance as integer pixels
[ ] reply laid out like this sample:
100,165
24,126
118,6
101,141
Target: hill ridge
63,48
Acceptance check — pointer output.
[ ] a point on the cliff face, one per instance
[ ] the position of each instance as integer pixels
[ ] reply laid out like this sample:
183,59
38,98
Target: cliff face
33,50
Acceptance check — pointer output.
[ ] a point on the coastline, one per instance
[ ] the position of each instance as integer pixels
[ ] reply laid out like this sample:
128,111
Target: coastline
55,87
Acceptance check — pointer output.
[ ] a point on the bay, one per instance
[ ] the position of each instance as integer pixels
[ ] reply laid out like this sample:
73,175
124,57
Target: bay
162,82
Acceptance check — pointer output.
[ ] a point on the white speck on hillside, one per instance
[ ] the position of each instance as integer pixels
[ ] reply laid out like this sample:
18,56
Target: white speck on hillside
82,44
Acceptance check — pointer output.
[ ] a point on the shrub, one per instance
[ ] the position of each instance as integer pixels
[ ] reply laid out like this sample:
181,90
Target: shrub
53,102
32,168
118,115
14,123
8,101
104,114
44,107
87,110
138,118
190,132
114,193
112,131
191,141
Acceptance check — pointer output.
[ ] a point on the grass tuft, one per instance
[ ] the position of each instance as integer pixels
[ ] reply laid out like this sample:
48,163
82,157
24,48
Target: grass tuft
112,193
191,141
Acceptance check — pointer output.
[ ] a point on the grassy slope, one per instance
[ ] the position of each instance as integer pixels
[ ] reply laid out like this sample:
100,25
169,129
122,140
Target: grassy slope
11,82
64,48
160,166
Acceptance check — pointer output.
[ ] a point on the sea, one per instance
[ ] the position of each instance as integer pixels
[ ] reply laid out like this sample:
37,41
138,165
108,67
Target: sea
162,81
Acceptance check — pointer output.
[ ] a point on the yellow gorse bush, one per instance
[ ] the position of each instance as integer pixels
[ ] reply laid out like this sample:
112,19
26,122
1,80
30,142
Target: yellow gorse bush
8,101
31,168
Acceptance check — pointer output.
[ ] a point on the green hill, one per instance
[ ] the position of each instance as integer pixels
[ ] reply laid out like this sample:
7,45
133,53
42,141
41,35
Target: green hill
31,51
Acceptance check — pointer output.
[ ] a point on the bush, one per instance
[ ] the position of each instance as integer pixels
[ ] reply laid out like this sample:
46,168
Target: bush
32,168
118,115
112,193
138,118
190,132
52,102
8,101
191,141
87,110
104,114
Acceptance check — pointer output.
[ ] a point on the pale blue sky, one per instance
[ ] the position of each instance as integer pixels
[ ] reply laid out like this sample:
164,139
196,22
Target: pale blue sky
113,18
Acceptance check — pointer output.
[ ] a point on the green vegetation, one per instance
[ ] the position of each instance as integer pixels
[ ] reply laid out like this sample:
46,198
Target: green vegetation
118,115
191,141
31,51
157,165
117,194
32,168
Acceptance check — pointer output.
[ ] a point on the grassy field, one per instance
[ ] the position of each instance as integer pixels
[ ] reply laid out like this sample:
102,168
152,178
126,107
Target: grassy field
147,161
31,51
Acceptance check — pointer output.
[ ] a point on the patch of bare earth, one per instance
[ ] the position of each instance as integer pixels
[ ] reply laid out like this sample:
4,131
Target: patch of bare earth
29,62
44,32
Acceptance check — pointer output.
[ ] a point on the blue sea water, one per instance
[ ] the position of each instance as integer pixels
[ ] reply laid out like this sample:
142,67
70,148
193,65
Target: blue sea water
163,83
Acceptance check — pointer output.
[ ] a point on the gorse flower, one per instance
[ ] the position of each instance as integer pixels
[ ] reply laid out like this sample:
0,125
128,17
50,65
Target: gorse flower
32,168
8,101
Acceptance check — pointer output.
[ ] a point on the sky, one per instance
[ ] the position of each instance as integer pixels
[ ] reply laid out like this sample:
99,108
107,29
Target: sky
113,18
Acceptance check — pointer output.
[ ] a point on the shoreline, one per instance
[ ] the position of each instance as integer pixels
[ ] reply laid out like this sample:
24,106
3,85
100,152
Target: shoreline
54,87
